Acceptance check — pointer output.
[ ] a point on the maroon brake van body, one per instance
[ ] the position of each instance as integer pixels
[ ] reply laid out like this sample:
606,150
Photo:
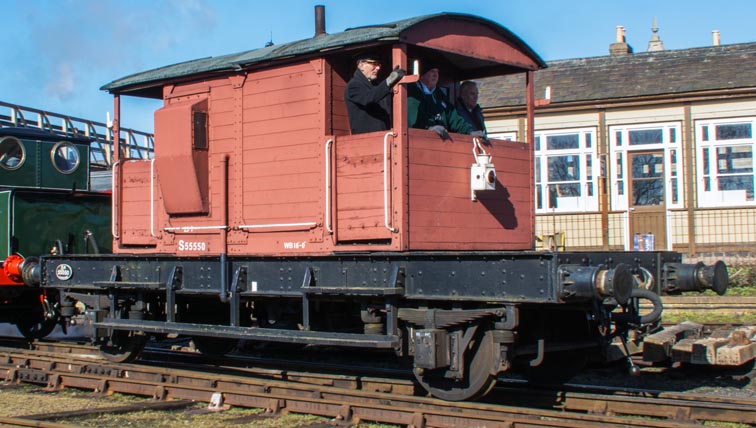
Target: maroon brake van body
259,160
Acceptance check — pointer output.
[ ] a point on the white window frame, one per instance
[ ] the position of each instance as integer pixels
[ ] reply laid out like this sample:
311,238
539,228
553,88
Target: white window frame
619,202
506,136
715,197
584,202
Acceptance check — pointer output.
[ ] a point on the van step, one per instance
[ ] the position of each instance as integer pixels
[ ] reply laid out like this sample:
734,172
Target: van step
376,341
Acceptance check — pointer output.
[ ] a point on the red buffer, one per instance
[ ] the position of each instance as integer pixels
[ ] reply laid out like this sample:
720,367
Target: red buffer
10,274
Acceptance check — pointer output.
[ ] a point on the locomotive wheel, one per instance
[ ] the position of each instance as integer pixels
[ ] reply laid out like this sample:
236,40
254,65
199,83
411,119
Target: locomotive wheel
477,380
123,346
41,320
214,346
38,329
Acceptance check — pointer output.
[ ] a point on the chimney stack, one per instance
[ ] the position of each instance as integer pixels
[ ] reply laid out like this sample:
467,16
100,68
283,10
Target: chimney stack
655,44
320,26
620,47
715,37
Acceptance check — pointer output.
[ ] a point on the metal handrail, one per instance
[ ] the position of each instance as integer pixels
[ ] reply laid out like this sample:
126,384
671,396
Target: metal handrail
328,185
113,198
386,218
152,199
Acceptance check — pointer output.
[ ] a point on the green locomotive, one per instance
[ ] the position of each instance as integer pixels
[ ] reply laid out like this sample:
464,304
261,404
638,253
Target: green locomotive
47,206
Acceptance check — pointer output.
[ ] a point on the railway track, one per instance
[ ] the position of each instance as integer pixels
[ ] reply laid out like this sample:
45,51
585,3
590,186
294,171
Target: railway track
43,420
350,398
724,304
647,402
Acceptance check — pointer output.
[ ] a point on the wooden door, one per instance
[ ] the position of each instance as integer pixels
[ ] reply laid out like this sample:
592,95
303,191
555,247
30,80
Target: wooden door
361,199
647,197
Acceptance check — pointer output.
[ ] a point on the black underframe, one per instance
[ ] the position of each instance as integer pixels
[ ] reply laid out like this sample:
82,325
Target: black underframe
495,279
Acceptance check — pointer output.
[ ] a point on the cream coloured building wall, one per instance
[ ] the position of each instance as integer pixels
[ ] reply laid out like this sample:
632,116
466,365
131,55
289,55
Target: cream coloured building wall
712,228
720,110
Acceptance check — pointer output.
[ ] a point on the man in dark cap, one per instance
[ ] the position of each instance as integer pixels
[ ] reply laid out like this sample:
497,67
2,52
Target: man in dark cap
368,101
428,106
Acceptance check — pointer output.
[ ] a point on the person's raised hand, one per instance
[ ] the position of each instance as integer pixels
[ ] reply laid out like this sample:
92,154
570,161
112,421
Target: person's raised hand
396,75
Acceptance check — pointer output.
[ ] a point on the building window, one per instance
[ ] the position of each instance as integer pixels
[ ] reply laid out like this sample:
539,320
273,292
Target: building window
659,143
725,162
565,181
645,136
506,136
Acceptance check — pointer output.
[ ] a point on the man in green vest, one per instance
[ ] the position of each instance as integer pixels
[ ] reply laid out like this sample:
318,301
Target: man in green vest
428,106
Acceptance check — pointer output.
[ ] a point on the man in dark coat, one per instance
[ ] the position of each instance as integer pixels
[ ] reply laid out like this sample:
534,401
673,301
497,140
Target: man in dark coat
428,107
369,103
468,107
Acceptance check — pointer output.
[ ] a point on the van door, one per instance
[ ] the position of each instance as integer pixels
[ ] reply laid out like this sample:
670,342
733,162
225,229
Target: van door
361,199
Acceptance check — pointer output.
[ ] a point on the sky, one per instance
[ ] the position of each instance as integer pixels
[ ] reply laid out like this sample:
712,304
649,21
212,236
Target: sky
56,54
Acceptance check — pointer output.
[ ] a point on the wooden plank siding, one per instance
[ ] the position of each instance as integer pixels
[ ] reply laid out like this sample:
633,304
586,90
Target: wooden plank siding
359,185
202,227
135,194
442,215
283,166
273,126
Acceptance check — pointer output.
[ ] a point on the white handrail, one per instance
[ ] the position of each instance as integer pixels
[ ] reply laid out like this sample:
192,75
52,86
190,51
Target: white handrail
114,171
308,225
152,198
193,228
385,182
328,186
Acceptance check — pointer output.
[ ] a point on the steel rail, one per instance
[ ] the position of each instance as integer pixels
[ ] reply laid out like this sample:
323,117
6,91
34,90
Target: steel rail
658,404
22,422
275,395
139,407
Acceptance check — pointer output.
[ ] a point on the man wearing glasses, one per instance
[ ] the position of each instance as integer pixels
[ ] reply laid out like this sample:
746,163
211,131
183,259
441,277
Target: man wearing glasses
369,101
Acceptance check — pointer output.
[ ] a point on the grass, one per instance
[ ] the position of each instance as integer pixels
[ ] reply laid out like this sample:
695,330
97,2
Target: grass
709,317
725,424
198,417
734,292
17,399
742,276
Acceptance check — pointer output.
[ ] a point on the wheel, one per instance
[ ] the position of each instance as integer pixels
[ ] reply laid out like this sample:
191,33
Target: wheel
214,346
477,380
123,346
38,329
41,320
